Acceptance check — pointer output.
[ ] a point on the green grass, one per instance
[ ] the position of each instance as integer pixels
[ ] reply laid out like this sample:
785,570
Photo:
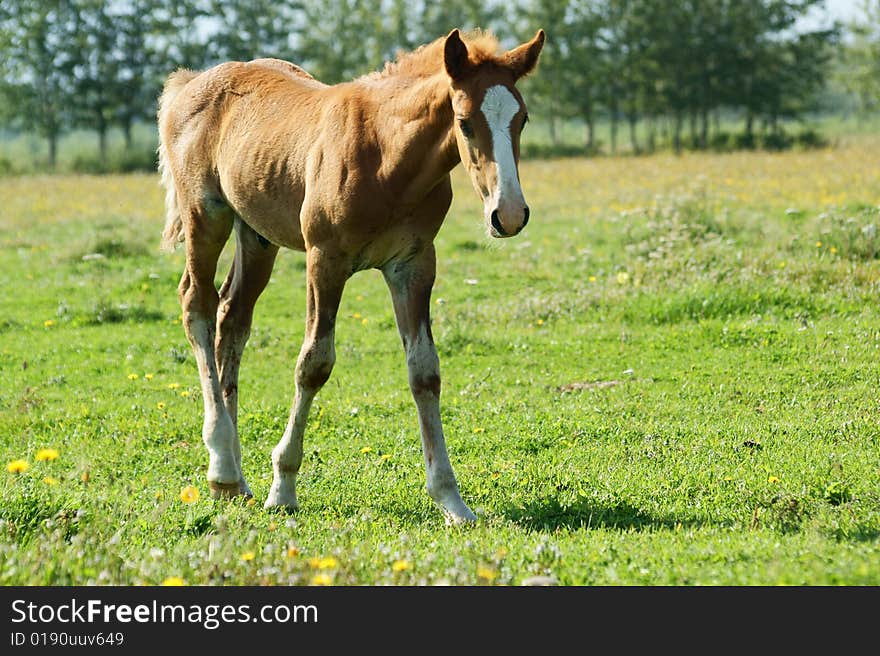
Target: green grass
669,379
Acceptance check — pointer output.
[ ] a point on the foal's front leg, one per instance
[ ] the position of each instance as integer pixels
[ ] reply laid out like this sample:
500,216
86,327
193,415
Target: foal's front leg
410,283
326,275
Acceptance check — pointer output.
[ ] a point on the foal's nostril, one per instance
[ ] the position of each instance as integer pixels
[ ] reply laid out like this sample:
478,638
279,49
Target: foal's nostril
525,218
496,223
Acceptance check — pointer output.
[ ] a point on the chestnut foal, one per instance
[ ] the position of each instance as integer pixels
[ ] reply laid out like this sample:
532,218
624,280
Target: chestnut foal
356,175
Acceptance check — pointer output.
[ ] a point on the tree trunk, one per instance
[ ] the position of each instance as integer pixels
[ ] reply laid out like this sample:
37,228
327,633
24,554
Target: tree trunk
126,131
590,132
633,138
102,143
704,128
676,134
53,150
613,129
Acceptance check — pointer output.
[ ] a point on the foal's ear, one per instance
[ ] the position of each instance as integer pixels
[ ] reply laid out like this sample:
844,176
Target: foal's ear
455,56
522,59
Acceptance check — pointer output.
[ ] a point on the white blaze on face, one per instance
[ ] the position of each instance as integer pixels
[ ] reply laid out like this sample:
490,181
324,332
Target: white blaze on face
499,107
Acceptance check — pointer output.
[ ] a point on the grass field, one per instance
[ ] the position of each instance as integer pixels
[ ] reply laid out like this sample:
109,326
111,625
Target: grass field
670,378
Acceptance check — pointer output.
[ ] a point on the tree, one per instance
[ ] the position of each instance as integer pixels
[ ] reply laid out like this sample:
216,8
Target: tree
140,77
861,58
180,30
253,28
95,68
584,66
35,37
548,88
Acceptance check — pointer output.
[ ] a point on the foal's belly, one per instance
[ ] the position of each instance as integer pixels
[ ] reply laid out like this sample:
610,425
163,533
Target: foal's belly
272,211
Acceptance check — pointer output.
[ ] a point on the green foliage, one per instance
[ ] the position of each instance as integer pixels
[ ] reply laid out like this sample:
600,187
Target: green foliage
656,70
858,71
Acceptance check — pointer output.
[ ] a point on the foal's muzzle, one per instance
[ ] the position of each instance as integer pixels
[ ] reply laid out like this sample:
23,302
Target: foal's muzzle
498,229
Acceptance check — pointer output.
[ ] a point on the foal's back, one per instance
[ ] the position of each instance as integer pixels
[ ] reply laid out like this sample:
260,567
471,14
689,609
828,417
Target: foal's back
239,135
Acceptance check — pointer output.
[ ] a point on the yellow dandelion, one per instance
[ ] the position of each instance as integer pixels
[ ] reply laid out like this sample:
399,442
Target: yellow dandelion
833,249
174,580
46,454
327,562
185,393
486,573
366,449
251,501
479,429
356,315
149,376
292,552
623,277
540,322
818,244
48,323
364,322
49,480
385,457
161,405
248,556
173,386
359,297
773,479
17,466
322,579
592,278
159,495
189,494
133,376
400,566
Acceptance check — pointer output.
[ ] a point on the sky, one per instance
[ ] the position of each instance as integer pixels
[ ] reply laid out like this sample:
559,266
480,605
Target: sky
843,10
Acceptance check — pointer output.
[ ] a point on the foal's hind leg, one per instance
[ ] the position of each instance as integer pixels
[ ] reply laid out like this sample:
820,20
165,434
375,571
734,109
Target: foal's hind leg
326,275
410,283
206,235
250,272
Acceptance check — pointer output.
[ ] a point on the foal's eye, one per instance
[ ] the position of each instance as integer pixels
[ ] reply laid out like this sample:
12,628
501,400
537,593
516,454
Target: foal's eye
466,127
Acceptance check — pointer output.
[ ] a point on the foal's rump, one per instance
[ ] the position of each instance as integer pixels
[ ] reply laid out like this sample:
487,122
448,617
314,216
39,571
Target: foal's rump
230,135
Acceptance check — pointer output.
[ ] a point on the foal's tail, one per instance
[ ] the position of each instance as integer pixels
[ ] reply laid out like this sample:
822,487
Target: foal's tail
173,232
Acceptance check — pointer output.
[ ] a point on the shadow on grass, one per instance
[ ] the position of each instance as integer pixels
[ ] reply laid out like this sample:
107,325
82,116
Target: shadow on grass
550,514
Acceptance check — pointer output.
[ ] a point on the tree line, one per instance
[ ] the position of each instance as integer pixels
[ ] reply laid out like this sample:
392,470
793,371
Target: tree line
662,72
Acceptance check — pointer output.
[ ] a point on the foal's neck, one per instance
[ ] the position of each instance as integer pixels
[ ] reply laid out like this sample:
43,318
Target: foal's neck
416,131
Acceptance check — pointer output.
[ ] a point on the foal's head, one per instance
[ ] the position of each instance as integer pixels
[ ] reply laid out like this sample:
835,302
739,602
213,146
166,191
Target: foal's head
489,117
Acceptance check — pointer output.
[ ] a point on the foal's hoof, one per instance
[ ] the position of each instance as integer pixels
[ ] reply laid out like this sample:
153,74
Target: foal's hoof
458,514
282,494
229,490
460,519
